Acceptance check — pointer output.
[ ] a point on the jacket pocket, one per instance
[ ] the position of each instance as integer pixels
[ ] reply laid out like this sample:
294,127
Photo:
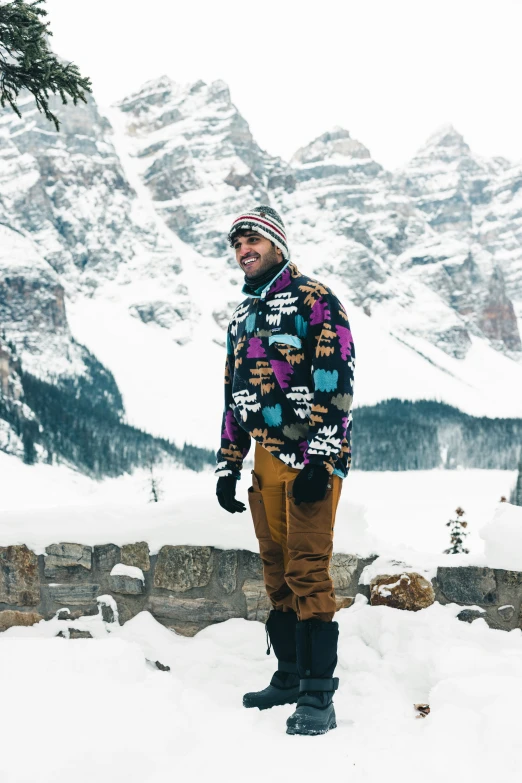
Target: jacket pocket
311,518
285,339
288,347
258,511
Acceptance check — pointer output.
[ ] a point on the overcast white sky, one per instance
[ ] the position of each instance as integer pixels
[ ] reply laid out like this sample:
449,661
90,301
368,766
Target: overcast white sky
390,71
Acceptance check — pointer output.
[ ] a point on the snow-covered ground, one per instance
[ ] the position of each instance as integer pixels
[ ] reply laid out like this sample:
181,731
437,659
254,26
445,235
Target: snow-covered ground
97,710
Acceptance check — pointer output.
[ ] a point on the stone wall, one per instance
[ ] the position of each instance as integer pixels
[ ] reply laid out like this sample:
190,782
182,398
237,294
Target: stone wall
497,593
187,588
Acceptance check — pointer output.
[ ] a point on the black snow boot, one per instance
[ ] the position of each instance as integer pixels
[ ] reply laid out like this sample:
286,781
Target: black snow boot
316,662
284,685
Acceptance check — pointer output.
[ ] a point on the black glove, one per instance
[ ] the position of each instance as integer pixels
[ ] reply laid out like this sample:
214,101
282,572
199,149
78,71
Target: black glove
226,494
310,484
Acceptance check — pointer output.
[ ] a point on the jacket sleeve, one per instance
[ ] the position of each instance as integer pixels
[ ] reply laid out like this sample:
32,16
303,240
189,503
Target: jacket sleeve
235,441
330,346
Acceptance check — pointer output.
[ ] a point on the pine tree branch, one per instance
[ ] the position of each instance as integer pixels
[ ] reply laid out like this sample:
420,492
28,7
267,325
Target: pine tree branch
27,62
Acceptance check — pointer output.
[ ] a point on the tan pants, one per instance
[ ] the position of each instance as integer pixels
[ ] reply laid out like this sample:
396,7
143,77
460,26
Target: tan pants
295,542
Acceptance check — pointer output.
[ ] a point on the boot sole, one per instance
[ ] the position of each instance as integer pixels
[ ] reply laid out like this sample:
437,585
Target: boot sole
310,732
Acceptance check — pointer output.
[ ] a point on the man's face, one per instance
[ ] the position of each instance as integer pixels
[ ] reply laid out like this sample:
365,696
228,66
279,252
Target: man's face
255,254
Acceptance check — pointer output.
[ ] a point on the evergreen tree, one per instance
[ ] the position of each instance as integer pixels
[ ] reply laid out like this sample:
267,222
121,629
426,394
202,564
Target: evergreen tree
458,534
28,436
27,62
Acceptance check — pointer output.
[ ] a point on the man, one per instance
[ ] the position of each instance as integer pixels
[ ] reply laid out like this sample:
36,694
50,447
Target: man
289,386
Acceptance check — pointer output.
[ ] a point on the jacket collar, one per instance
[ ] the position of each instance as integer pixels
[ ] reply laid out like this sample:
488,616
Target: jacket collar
262,294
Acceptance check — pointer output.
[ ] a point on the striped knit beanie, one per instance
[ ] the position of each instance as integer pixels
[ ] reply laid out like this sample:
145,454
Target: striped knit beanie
266,222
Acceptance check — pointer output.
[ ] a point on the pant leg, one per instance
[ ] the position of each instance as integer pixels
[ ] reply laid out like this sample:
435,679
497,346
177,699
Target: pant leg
267,500
310,528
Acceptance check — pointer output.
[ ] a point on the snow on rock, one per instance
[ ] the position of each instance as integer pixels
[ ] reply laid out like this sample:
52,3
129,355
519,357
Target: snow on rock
503,538
108,608
120,569
408,591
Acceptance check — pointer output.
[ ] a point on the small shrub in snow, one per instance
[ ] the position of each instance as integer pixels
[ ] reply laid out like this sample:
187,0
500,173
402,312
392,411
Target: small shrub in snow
458,534
154,484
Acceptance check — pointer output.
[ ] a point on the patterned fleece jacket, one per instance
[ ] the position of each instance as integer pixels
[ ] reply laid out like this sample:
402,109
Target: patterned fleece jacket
289,377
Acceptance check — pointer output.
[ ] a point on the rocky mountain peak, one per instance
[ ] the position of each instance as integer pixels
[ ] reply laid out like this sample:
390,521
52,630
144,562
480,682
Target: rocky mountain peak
447,147
446,179
152,93
220,89
162,102
196,141
447,137
336,143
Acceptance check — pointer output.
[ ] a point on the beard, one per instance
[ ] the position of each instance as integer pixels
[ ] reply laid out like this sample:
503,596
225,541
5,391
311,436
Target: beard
266,262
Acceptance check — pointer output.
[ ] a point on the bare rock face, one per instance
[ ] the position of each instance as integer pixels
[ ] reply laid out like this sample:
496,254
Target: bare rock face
257,601
136,555
12,409
188,615
106,556
10,385
20,289
32,305
180,568
409,591
497,317
127,585
74,633
78,594
19,580
506,612
499,224
10,618
67,561
342,569
227,570
468,585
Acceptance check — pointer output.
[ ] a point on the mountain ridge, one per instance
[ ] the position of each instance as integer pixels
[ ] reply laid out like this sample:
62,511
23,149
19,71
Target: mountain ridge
128,216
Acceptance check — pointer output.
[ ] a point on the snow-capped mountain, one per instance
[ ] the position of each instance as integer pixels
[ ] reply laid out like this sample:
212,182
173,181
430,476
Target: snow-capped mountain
475,206
346,215
114,237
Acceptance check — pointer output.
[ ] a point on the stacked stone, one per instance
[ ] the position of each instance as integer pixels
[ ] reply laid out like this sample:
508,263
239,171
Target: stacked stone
187,588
